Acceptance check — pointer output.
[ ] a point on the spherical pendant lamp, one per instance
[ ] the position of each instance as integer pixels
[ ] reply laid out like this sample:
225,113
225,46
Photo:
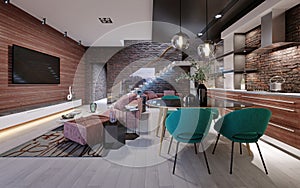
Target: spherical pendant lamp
180,40
206,49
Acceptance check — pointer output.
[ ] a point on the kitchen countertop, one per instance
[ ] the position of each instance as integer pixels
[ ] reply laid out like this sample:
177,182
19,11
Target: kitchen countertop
258,92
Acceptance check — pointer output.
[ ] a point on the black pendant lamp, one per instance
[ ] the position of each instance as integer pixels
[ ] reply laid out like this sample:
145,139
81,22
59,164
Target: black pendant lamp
180,40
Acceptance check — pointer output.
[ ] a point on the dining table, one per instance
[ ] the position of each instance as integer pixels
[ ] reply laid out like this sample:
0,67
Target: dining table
166,105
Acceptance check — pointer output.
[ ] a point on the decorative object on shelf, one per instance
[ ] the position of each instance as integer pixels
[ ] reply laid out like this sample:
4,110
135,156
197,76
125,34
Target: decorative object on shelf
71,115
68,116
277,85
93,107
206,49
70,95
243,83
180,40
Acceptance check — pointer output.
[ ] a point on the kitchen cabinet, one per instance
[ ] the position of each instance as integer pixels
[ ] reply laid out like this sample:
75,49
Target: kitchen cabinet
285,121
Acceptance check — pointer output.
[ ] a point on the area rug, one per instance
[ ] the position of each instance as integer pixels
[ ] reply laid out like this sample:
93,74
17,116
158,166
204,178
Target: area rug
53,144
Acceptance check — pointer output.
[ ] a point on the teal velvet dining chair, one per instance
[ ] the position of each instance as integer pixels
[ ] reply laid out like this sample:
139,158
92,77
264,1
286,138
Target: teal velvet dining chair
243,126
189,125
172,100
170,97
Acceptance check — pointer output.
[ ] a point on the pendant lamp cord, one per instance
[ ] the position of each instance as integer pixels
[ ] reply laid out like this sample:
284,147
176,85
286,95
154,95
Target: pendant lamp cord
206,29
180,16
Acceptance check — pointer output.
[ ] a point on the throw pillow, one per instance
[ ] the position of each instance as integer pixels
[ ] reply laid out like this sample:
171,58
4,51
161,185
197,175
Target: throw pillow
169,92
150,94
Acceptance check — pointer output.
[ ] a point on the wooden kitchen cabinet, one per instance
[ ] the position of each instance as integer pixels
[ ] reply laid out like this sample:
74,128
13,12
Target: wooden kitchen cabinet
285,121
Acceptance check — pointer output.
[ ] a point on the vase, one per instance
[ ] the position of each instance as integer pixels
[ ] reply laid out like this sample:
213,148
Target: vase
93,107
202,94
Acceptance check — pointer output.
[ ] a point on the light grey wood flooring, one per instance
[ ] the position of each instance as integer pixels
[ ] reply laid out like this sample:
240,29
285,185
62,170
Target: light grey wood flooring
138,165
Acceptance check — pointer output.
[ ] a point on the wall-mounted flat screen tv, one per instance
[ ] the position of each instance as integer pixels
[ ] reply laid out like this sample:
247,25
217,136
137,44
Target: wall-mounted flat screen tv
33,67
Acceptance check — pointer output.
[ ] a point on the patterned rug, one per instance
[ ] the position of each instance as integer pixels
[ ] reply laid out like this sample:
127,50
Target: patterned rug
53,144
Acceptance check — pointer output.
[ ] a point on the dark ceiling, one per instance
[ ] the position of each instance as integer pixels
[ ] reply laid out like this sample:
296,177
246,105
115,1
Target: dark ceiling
193,15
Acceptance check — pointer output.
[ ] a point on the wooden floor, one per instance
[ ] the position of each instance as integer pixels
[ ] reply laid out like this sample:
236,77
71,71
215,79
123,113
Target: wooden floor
138,165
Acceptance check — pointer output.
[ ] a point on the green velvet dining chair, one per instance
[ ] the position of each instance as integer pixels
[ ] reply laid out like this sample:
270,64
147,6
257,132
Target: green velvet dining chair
243,126
189,125
170,97
171,101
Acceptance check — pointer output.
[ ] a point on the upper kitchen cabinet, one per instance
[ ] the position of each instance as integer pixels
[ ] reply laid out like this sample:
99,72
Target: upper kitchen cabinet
166,16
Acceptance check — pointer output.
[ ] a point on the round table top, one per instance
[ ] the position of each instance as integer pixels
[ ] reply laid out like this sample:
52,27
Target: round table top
211,102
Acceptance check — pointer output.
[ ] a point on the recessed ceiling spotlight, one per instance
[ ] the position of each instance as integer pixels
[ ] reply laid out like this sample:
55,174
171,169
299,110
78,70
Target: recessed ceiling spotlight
199,34
218,16
44,21
65,34
6,1
106,20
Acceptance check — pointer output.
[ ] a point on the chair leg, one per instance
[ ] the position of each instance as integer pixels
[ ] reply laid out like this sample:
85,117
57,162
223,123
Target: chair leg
218,137
205,158
171,141
241,151
175,157
231,161
195,146
262,159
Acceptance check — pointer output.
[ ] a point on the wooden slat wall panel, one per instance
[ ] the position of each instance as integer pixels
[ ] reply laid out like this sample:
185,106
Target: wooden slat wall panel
18,27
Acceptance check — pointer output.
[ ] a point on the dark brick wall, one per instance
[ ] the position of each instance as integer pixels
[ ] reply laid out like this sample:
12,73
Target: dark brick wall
253,37
293,24
284,62
146,55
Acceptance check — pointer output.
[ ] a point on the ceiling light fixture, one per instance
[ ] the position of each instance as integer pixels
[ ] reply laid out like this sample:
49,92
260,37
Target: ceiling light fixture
180,40
106,20
218,16
44,21
65,34
206,50
6,1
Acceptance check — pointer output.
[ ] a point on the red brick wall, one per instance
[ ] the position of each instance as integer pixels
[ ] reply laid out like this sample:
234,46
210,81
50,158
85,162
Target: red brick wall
284,62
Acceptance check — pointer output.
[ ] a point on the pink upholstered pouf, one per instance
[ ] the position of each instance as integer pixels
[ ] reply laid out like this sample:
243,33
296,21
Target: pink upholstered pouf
87,130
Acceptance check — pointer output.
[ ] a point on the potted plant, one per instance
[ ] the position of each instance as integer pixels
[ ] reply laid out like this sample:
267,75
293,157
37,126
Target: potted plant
199,78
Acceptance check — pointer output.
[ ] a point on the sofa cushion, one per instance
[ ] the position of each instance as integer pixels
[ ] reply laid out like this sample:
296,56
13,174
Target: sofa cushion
169,92
124,100
150,94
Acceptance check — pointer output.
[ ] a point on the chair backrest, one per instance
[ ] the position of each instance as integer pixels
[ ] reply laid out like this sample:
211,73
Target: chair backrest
172,100
170,97
246,125
189,125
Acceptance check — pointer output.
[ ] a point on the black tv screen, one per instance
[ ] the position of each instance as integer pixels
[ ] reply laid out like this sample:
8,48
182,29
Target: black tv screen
33,67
